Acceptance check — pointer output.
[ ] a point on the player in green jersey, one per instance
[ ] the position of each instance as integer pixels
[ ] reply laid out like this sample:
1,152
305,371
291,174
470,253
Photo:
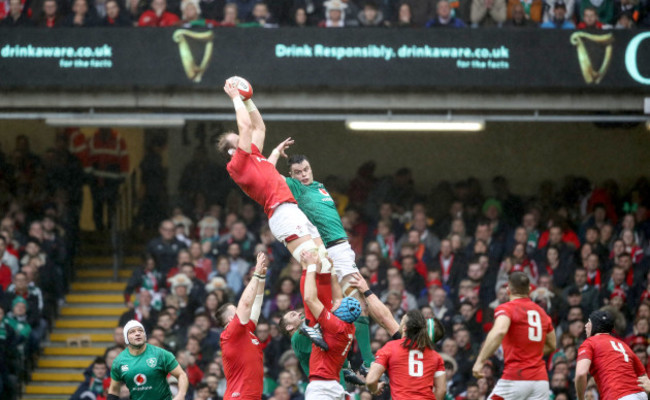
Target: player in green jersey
319,207
144,369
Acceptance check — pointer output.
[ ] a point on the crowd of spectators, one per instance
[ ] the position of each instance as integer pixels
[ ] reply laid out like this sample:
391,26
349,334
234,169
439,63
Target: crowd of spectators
40,208
447,253
568,14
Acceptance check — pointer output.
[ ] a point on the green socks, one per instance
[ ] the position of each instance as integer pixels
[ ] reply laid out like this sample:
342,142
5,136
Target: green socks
362,335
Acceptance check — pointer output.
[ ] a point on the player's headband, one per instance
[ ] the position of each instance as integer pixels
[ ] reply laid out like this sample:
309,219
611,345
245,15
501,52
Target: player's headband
431,329
130,325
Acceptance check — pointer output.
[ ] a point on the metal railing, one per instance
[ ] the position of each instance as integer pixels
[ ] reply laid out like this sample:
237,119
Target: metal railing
125,209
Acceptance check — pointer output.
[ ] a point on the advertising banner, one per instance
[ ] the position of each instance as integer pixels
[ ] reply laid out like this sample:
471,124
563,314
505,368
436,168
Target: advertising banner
338,59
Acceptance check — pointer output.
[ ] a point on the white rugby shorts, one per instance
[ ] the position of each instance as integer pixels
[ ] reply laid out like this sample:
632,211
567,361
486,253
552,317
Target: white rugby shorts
520,390
343,257
635,396
288,221
324,390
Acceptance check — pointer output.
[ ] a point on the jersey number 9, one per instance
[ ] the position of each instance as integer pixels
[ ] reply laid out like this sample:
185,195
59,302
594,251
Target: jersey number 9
535,326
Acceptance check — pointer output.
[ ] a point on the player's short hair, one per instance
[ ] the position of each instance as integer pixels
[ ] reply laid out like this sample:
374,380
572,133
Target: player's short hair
519,283
223,145
296,159
220,314
416,332
282,325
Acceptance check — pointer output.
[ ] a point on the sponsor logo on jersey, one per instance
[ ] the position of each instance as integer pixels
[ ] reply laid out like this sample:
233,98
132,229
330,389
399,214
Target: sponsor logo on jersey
151,362
255,342
323,192
236,394
140,379
124,368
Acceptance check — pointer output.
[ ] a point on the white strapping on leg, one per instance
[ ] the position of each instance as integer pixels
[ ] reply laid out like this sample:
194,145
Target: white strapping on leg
308,245
326,265
346,287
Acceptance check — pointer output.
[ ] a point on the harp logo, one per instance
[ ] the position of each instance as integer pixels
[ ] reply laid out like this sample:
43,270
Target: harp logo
581,40
183,37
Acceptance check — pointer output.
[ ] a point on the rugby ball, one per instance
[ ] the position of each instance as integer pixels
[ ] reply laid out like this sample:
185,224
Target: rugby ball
245,88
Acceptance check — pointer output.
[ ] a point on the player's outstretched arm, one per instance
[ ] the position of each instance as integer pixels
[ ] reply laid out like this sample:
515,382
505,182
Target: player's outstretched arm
377,310
492,343
440,386
244,124
260,274
259,128
311,262
551,343
582,369
280,151
245,305
372,379
183,382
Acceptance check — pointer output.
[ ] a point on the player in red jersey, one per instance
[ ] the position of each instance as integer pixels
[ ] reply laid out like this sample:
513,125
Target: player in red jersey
416,371
241,350
338,331
527,335
609,360
259,179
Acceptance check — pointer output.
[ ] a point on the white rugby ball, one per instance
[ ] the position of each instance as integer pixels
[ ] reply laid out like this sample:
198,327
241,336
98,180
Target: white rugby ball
244,87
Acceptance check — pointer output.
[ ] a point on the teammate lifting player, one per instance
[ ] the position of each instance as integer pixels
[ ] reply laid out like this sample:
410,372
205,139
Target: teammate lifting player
527,335
609,360
240,348
338,331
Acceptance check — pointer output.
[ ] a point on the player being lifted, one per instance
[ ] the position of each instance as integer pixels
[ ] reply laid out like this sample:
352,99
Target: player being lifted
258,178
144,368
415,369
240,348
317,204
338,331
527,335
610,361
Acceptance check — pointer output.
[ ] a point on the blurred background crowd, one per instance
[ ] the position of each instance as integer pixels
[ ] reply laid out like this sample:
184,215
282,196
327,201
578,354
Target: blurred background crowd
564,14
447,252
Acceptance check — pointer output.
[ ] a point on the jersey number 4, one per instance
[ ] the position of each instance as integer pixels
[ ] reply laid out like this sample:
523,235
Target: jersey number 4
619,347
416,366
534,326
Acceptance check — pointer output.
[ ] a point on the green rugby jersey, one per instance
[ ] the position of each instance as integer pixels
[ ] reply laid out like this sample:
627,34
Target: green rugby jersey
146,374
319,207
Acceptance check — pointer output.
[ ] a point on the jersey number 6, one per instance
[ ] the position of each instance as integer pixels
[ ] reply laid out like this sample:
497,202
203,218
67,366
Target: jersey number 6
416,366
535,326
